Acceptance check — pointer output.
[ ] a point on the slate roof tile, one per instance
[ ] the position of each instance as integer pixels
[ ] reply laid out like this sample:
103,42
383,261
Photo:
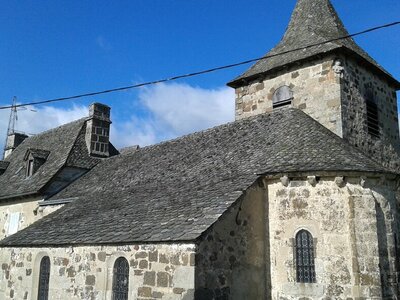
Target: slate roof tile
58,142
149,195
61,146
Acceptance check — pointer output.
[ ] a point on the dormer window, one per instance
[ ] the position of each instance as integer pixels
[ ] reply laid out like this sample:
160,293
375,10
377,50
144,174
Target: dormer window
283,96
35,158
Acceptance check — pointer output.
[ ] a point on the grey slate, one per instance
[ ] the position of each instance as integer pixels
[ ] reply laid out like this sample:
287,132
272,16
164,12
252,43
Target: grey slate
175,190
312,22
61,146
37,153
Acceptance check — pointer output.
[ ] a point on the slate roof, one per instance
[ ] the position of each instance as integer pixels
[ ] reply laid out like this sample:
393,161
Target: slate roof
174,191
312,22
58,146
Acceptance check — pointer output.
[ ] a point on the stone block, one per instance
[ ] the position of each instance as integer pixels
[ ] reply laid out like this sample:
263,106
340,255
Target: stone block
101,256
157,295
163,258
143,264
163,279
153,256
141,255
144,292
90,280
149,278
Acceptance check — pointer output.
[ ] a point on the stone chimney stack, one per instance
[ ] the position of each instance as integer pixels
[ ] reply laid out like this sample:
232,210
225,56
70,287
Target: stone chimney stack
98,130
13,141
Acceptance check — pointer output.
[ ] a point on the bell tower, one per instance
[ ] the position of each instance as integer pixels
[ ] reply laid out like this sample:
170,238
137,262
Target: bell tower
337,83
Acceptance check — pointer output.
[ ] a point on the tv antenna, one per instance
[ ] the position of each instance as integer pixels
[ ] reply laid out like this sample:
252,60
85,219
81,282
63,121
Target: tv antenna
12,122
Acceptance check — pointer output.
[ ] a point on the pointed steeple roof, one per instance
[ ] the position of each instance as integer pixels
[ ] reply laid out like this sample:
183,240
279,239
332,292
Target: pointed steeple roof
312,22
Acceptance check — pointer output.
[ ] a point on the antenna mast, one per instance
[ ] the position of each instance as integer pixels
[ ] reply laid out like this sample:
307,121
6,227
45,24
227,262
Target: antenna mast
11,123
13,118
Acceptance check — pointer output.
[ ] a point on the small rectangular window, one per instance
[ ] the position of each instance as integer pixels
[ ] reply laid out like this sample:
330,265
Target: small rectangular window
29,168
13,223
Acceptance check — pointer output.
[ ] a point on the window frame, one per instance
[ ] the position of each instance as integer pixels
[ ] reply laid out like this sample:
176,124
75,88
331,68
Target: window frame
29,167
278,103
44,278
304,252
118,275
372,115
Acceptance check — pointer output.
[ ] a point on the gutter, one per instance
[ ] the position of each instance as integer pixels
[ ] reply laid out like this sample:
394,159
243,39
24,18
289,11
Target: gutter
56,201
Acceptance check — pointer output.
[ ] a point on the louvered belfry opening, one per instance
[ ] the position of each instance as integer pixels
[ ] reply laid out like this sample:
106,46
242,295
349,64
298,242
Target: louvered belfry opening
120,279
44,277
372,117
283,96
304,249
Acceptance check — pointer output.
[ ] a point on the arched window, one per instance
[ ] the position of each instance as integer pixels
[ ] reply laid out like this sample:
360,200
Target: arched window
283,96
44,276
305,268
120,279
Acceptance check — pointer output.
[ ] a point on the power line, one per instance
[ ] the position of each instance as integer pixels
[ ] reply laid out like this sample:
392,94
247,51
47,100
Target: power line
201,72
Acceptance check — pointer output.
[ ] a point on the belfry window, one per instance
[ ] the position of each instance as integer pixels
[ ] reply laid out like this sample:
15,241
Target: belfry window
283,96
44,277
304,255
372,115
120,279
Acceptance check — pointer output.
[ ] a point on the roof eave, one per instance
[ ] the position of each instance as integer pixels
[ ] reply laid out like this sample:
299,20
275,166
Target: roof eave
244,80
20,196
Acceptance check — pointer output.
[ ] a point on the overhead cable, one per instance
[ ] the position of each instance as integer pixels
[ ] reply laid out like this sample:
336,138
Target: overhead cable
173,78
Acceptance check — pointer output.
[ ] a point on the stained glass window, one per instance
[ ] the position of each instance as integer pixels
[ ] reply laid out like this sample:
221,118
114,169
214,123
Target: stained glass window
120,279
44,276
305,267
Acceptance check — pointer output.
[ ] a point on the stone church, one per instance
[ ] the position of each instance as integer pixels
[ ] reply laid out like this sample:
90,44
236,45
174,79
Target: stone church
298,198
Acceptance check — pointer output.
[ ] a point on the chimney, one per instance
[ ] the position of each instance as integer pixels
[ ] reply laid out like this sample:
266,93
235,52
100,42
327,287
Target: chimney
13,141
98,130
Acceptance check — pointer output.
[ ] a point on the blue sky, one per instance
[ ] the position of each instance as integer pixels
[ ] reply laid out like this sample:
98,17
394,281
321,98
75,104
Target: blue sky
53,48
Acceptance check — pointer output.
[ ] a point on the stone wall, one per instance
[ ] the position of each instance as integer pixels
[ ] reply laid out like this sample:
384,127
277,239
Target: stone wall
231,258
353,222
18,214
155,271
316,90
333,91
357,81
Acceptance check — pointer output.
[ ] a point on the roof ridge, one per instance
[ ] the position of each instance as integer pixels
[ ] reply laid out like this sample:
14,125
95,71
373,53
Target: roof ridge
203,131
56,128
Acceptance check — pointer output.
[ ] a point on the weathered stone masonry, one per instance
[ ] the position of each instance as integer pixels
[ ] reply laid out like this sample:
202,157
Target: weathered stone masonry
355,248
315,86
26,212
156,271
357,81
333,91
231,256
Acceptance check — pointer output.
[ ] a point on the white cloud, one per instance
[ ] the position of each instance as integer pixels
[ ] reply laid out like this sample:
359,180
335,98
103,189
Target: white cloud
170,110
174,110
41,119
